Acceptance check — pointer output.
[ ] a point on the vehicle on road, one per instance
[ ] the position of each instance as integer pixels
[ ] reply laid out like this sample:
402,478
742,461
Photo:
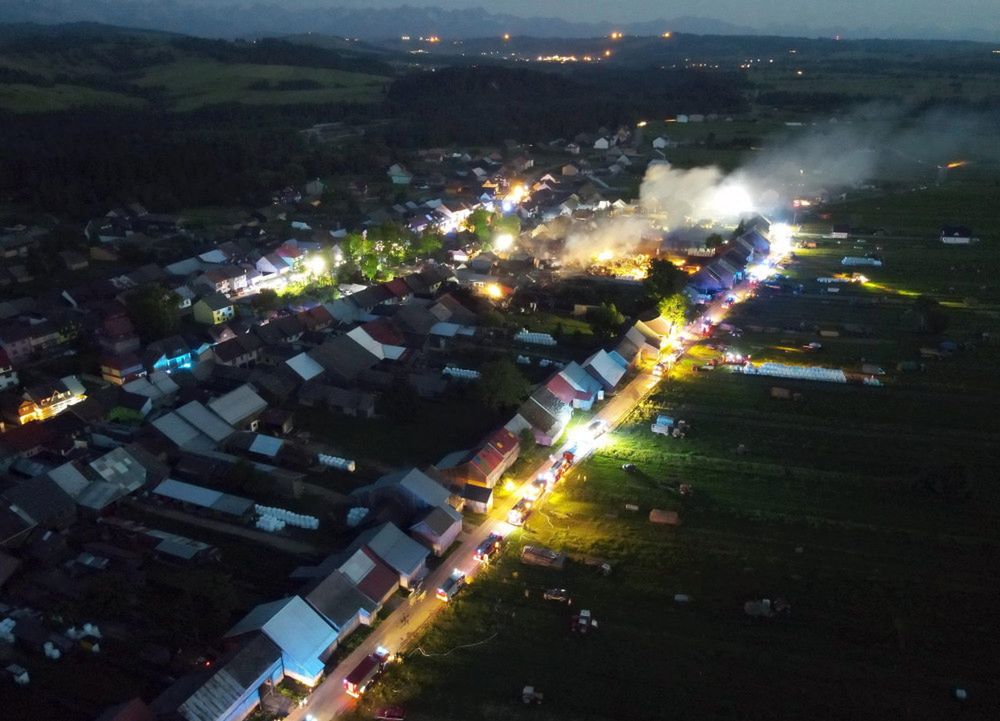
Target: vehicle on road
583,622
452,585
391,713
597,428
365,673
489,548
536,489
557,594
520,512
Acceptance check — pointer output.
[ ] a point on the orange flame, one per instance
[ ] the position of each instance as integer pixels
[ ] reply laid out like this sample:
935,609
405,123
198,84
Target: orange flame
955,164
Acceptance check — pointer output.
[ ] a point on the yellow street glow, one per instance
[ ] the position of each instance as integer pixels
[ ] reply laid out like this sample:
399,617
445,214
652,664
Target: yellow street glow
493,290
503,242
316,265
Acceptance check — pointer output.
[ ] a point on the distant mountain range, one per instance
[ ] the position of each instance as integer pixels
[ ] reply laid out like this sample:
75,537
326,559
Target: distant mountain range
252,18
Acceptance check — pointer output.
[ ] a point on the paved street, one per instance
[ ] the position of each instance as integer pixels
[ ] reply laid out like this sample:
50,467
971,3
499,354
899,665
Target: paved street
397,630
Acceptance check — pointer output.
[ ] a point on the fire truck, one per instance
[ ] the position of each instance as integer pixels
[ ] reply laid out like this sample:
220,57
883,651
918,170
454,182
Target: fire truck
366,672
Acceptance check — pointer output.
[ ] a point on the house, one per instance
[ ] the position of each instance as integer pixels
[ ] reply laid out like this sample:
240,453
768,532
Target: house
485,464
602,144
343,359
122,369
607,368
242,351
42,401
413,487
570,171
8,376
213,309
74,260
168,355
304,638
240,408
661,142
544,414
438,528
399,175
341,603
229,690
573,148
398,551
956,235
575,387
478,499
117,335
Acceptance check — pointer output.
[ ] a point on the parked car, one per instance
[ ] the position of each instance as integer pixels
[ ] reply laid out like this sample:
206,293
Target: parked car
557,594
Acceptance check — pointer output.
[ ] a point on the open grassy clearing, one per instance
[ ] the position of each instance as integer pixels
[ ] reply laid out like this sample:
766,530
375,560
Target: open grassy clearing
872,510
923,212
191,84
21,98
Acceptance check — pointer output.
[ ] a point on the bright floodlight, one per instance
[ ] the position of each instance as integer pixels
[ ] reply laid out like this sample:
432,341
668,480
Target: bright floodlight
781,238
316,265
731,201
503,242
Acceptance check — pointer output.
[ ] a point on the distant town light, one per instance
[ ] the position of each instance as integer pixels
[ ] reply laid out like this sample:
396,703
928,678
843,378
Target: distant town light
667,35
607,53
641,124
506,36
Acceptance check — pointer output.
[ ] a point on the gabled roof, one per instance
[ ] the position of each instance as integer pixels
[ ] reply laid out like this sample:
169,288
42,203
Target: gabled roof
294,627
438,521
304,366
370,574
338,599
234,677
216,301
417,483
605,367
119,467
238,405
395,548
343,358
196,414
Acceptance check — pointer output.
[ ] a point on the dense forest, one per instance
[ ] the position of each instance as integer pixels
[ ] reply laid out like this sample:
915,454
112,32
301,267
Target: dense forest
489,103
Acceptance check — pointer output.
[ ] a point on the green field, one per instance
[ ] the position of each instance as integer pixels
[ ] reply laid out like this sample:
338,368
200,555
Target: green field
872,510
191,84
21,98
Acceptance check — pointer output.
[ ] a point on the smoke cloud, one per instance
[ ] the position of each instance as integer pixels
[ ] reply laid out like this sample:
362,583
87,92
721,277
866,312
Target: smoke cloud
874,141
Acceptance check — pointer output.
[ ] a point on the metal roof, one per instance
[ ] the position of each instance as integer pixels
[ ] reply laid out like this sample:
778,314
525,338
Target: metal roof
188,493
238,405
304,366
301,633
198,416
266,445
398,550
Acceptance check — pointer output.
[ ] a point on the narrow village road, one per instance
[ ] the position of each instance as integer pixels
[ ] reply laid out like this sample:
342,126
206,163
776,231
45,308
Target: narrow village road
398,630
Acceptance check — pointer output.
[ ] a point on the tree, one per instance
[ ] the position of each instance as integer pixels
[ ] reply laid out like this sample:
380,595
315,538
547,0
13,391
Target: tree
266,300
479,223
354,246
663,280
154,311
368,264
507,224
501,385
605,320
674,309
526,441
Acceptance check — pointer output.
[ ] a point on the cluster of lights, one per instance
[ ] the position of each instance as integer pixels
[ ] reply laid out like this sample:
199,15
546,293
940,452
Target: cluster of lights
616,35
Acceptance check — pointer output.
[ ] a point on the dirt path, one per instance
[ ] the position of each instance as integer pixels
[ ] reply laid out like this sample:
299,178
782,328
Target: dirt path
282,543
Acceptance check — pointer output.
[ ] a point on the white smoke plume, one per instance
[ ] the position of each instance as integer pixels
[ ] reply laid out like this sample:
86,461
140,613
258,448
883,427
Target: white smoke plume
875,141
